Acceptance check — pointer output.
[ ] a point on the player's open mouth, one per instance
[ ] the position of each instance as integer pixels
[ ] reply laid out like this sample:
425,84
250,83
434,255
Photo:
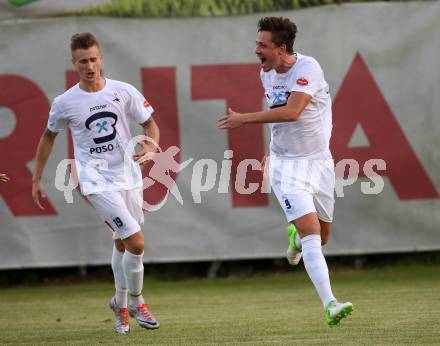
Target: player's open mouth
90,74
262,59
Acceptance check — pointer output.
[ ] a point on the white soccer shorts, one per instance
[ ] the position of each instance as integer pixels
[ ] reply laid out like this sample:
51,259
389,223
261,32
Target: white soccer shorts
120,210
304,186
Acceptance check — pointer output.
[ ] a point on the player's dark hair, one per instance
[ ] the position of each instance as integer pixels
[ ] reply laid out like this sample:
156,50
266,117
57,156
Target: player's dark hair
83,40
282,29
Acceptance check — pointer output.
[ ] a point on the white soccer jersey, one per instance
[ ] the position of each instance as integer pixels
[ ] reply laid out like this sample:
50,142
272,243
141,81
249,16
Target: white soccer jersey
309,136
100,131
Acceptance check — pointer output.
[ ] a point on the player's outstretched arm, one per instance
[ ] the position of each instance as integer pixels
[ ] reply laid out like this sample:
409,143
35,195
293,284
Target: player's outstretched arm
43,152
151,130
4,178
290,112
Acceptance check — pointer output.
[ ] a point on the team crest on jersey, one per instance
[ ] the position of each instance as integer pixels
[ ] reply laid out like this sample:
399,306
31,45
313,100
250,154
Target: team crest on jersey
104,122
302,81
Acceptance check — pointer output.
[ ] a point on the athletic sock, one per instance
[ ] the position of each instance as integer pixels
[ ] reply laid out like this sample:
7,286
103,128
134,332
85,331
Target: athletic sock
134,274
136,300
298,242
120,281
316,267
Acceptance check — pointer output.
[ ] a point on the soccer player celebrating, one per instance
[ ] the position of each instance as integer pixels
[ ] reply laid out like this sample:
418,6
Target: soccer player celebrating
300,162
97,111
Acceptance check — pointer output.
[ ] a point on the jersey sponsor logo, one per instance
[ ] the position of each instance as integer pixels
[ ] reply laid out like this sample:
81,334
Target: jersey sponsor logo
95,108
116,99
278,99
276,87
103,148
103,122
302,81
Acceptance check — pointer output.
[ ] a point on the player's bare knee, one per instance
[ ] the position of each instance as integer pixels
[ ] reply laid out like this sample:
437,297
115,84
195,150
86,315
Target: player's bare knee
138,244
140,248
307,225
137,247
135,243
119,245
137,250
305,230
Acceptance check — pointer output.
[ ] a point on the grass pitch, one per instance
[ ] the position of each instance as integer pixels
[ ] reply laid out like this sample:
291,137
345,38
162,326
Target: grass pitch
392,306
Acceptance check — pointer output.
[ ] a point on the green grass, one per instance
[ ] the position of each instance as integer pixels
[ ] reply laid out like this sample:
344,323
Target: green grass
393,306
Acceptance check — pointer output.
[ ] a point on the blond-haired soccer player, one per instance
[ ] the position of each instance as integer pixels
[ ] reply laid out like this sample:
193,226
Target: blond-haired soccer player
300,163
97,110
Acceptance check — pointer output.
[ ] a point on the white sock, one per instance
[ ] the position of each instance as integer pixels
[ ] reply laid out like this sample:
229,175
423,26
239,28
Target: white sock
134,273
120,282
298,243
316,267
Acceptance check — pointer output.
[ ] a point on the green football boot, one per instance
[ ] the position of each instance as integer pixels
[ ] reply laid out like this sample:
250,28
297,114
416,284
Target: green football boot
335,312
293,254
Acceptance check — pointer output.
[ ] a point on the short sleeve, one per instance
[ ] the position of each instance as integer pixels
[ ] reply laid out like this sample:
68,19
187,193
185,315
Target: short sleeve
308,79
262,78
57,122
139,109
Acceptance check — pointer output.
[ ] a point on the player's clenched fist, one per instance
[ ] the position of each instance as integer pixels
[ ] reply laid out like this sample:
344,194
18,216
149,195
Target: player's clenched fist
4,178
